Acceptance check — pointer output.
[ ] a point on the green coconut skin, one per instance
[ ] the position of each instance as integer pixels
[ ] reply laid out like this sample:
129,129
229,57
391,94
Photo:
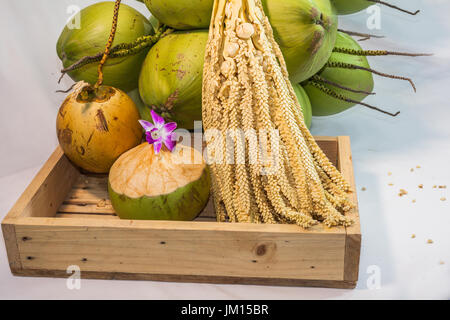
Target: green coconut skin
173,69
303,99
325,105
182,14
184,204
91,38
344,7
306,32
304,29
171,77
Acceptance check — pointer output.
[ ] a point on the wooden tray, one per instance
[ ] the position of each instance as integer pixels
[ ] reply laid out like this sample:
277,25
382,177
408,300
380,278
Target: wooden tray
64,218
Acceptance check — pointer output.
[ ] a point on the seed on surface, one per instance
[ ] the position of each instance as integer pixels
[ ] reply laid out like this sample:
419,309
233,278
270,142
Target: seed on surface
412,170
430,241
227,67
420,186
232,49
441,262
402,193
443,199
389,173
435,186
245,31
414,201
101,203
418,167
390,184
442,187
413,236
363,189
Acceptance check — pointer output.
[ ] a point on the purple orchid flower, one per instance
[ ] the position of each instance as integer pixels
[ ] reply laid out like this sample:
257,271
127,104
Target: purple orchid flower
159,132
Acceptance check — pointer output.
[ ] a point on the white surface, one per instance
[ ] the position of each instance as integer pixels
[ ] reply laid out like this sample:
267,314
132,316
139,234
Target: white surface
410,268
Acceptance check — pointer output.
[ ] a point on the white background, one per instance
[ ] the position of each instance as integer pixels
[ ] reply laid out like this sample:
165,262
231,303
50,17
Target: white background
409,268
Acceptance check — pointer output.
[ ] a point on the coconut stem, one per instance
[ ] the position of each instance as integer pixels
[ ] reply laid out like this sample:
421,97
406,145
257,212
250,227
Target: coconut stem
394,7
318,78
68,90
367,53
108,44
120,50
364,36
338,96
355,67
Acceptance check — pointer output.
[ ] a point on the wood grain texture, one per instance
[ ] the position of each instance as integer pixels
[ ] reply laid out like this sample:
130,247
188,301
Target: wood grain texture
48,189
200,249
83,230
12,249
41,198
353,238
191,279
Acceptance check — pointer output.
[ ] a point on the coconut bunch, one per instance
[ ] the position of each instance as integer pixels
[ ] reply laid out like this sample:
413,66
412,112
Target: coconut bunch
173,45
160,60
261,66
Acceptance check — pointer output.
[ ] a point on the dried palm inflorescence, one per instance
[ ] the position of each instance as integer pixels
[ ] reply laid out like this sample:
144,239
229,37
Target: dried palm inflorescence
246,86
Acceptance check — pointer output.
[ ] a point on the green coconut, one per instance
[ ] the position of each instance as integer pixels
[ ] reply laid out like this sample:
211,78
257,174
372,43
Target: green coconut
303,99
171,77
358,80
95,21
167,186
306,32
304,29
182,14
344,7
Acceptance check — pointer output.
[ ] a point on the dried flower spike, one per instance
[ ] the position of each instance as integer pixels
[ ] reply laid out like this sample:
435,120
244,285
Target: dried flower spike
257,97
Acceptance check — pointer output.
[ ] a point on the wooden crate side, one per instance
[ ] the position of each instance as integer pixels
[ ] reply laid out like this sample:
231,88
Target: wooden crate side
202,250
329,146
353,233
12,249
191,279
47,190
42,197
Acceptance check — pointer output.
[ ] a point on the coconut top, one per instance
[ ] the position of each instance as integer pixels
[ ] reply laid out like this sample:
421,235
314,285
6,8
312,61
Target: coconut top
140,172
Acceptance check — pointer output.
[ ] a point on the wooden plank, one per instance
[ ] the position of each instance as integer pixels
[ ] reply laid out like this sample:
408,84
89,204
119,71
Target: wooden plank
42,197
87,208
12,249
191,279
113,216
48,189
85,216
206,249
329,146
353,238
